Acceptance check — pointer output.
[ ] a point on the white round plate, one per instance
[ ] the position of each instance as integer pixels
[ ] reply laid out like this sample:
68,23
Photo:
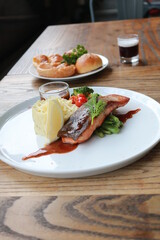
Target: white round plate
98,155
105,62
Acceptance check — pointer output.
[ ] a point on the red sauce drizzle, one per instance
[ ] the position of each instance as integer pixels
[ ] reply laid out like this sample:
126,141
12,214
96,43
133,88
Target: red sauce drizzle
55,147
124,117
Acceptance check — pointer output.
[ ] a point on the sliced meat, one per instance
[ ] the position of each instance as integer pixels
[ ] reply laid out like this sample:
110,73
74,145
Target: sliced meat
77,124
79,129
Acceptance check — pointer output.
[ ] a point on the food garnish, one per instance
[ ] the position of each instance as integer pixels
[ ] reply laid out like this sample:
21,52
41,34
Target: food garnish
95,105
79,99
111,125
72,56
84,90
80,95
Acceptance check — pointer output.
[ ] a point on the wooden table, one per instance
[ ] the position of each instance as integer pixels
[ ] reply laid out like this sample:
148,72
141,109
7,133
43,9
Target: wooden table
124,204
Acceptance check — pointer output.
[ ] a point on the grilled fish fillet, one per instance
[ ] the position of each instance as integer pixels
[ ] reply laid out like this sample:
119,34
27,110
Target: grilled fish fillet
79,129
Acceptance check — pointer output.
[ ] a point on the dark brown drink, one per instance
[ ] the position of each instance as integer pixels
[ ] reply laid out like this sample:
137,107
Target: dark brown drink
128,48
128,52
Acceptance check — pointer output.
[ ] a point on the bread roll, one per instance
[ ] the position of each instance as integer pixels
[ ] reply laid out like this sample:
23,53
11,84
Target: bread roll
88,62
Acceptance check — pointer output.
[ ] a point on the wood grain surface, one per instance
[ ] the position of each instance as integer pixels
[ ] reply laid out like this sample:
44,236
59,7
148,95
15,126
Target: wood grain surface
80,217
124,204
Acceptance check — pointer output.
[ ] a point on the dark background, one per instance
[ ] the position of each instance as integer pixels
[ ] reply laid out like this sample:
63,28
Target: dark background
22,21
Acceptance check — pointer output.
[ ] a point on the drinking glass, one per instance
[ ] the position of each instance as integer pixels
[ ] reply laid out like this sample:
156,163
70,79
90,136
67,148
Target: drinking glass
60,89
128,48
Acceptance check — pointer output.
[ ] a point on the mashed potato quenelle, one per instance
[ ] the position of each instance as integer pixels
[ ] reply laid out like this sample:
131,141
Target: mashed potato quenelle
49,116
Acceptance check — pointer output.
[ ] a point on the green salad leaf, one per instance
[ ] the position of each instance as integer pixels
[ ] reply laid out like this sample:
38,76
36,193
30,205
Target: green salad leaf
95,106
72,57
83,90
111,125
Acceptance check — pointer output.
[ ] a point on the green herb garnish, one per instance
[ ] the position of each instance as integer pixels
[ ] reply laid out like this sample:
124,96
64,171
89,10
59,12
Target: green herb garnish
72,57
82,90
111,125
95,106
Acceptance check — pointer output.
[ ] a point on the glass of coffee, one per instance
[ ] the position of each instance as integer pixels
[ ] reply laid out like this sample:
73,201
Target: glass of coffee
128,48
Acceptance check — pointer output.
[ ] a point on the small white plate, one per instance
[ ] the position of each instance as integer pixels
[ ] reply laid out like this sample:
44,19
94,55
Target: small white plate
105,62
98,155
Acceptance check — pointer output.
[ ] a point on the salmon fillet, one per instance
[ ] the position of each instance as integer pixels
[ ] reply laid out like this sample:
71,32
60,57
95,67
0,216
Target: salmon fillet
79,129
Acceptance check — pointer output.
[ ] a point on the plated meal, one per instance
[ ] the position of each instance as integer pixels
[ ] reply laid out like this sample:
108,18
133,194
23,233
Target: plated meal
74,63
66,138
74,120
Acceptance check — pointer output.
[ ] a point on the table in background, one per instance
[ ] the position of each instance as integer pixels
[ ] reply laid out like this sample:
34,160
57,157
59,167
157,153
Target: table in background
124,204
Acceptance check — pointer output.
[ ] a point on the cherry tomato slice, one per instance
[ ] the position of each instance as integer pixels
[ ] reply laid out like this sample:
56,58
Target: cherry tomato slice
79,100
